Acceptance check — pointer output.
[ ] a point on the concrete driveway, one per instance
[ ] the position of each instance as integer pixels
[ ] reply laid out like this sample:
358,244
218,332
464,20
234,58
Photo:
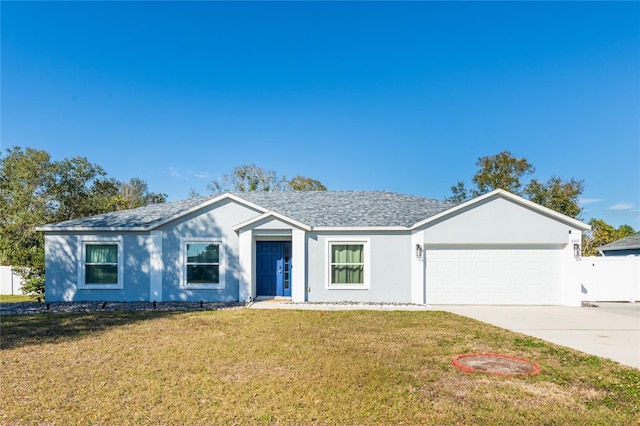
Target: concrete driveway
610,330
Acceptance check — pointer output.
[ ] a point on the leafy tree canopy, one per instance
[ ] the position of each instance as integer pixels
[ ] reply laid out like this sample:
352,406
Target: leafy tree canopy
35,190
249,178
507,172
73,188
135,193
501,171
301,183
557,194
25,201
602,233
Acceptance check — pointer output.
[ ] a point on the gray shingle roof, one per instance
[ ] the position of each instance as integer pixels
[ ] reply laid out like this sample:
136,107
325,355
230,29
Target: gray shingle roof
314,208
142,217
348,208
631,242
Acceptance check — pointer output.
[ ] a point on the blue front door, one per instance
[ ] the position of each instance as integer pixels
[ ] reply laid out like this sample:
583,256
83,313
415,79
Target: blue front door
273,268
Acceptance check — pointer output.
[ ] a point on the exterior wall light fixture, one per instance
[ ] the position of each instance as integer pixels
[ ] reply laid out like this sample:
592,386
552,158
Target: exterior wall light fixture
418,251
576,251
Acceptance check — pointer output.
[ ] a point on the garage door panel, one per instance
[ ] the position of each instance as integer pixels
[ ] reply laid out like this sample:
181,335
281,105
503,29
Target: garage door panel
518,265
518,282
483,265
466,265
480,282
493,276
499,266
482,297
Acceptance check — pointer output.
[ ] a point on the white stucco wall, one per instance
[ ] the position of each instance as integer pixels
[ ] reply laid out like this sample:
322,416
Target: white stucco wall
62,261
215,222
390,267
496,221
502,224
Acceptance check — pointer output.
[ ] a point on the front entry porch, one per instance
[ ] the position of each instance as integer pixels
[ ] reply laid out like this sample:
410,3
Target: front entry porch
273,269
272,260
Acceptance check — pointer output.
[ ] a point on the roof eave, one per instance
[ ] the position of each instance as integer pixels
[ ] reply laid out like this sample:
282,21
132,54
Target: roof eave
605,248
271,214
208,203
94,229
359,228
155,224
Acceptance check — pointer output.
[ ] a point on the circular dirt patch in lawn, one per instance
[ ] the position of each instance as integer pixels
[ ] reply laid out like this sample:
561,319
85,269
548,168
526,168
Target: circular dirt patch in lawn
499,364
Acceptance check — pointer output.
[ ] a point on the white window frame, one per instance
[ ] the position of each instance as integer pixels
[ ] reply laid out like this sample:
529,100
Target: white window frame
365,242
83,242
183,260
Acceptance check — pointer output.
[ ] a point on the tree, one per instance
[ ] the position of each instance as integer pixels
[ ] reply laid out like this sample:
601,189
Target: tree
625,231
105,195
25,202
507,172
79,190
249,178
301,183
602,233
135,193
502,170
35,191
556,194
460,193
73,188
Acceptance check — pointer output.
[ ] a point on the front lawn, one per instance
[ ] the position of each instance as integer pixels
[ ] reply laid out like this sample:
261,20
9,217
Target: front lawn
243,366
15,298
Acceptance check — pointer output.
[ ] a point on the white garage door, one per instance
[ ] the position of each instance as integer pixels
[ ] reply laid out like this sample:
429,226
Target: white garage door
493,276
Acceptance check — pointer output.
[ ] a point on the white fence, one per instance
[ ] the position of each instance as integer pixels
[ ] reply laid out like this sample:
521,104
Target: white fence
610,279
10,282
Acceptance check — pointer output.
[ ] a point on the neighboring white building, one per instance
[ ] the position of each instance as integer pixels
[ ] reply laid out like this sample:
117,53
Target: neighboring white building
10,282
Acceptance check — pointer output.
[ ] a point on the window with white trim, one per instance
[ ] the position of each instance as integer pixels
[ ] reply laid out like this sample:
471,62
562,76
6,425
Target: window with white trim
348,265
203,266
100,263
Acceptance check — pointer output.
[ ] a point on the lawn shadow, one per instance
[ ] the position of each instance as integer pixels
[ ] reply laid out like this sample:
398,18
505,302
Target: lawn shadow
44,328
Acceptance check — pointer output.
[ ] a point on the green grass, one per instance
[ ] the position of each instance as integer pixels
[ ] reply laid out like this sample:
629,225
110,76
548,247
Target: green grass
15,298
245,366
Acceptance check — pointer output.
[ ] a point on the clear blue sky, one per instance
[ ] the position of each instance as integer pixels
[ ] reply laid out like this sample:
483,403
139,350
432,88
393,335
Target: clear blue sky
397,96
